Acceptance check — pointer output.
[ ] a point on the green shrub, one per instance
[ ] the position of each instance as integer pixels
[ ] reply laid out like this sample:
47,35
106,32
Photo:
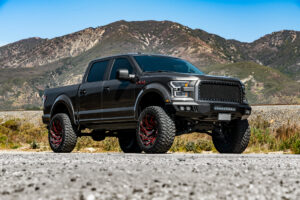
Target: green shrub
191,146
35,145
15,146
205,145
12,124
3,139
296,147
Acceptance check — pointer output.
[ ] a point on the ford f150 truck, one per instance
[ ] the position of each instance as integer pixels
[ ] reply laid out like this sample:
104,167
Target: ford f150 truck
145,101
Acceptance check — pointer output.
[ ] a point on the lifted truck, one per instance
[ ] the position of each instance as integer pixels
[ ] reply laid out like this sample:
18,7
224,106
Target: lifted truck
145,101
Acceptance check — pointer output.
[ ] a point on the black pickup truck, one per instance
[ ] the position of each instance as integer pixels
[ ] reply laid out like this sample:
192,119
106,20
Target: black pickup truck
145,101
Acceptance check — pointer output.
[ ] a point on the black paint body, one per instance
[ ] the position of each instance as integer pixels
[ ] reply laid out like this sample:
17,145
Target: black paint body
115,104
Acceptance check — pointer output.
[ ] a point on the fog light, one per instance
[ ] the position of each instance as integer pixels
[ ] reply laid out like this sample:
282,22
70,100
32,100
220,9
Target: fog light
247,112
188,108
182,108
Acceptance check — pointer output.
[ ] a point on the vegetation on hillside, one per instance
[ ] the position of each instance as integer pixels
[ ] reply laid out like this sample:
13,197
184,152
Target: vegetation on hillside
264,85
29,66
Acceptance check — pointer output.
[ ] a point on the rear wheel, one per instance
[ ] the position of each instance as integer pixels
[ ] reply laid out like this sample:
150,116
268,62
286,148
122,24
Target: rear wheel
233,138
128,142
155,131
61,135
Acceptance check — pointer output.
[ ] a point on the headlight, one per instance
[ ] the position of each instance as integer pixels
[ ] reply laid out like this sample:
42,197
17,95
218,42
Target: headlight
182,88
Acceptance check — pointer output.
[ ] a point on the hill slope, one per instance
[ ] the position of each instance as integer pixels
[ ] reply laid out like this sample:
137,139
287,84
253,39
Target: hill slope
29,66
264,85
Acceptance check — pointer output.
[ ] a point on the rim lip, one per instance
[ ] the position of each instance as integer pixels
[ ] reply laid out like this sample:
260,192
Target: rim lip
150,140
56,133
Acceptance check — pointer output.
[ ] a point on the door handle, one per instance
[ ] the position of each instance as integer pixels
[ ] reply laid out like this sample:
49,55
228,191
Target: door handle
106,89
83,92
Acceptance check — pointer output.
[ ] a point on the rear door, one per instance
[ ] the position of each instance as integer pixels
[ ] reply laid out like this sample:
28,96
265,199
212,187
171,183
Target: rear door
119,95
90,92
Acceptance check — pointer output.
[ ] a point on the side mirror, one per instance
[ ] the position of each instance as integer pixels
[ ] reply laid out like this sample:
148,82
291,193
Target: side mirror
123,74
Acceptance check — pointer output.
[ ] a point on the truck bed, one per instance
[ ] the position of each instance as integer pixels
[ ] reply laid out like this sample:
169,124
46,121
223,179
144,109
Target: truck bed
52,94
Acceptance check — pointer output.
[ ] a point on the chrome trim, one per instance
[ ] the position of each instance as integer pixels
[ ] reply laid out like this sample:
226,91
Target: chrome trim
197,90
182,98
185,103
185,99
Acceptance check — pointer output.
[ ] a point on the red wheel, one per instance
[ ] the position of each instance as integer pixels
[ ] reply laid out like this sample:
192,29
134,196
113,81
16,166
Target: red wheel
55,136
62,137
148,130
155,130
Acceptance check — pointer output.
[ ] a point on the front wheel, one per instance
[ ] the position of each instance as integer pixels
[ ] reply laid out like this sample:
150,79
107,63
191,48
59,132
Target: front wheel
155,130
62,137
232,138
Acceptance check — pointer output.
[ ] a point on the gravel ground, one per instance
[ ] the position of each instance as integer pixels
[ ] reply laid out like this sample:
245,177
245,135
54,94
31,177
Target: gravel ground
140,176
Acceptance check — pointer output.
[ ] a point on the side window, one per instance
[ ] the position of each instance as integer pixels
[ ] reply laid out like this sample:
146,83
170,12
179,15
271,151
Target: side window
120,63
97,71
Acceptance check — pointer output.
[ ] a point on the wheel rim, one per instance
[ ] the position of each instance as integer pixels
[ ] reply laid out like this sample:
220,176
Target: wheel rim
56,133
148,130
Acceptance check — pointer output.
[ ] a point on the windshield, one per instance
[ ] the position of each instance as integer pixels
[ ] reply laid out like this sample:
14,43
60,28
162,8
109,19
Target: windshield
169,64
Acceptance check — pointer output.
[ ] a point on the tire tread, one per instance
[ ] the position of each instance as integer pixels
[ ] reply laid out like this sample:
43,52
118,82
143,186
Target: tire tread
238,140
166,133
69,138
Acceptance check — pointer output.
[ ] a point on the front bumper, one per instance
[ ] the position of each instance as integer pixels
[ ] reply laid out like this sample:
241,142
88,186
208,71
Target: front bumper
208,111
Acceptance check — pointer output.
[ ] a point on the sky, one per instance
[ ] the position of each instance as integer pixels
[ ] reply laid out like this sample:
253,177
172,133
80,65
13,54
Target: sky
242,20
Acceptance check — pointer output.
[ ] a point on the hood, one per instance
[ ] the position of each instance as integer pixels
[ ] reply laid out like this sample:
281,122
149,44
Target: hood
185,76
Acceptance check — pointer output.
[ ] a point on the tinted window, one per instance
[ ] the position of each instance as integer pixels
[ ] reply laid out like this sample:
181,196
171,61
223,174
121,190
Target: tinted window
160,63
97,71
120,63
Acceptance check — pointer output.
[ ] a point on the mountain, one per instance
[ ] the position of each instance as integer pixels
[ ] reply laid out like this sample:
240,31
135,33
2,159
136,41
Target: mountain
264,85
29,66
279,50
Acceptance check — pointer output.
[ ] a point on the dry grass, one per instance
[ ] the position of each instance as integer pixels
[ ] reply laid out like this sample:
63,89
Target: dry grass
263,139
194,142
19,134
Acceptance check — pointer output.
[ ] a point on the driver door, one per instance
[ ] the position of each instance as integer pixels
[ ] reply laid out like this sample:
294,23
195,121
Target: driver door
118,97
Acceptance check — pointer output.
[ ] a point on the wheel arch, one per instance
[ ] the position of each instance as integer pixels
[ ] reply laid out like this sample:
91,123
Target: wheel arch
158,93
63,104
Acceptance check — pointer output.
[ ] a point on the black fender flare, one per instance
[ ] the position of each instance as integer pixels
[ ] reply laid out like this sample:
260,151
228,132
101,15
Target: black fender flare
154,87
64,99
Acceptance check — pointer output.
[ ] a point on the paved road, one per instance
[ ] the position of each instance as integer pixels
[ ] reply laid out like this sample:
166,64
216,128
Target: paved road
141,176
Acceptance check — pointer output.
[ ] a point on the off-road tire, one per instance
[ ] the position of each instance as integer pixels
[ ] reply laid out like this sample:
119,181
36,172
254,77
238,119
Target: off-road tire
166,130
235,137
69,137
128,142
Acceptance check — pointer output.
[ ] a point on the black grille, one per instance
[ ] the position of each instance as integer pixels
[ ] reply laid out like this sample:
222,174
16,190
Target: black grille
220,91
